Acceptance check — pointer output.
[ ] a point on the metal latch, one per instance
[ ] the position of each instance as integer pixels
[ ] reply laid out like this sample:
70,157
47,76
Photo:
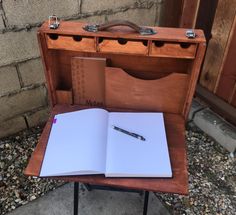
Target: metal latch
53,22
190,34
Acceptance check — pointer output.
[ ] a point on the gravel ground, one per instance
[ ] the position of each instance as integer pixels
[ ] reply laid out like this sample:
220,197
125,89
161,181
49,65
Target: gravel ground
212,179
17,189
212,176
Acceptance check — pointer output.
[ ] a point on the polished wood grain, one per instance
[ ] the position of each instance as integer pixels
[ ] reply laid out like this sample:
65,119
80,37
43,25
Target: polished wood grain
164,95
175,131
69,43
144,67
130,47
166,34
194,71
64,97
174,50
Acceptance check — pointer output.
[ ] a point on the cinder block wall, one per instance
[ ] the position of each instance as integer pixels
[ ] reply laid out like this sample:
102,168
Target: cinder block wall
23,92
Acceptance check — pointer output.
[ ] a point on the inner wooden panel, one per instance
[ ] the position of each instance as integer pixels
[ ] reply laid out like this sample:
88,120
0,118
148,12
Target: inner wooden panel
143,67
166,94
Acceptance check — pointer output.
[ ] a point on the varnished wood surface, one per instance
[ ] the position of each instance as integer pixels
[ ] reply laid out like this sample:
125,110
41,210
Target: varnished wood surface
175,130
164,95
131,47
64,97
65,42
166,34
174,50
195,70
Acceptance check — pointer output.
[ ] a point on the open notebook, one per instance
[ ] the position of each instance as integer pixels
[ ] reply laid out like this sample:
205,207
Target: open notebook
85,142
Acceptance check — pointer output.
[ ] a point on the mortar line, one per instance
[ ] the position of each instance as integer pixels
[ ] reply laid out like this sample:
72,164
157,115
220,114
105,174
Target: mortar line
3,15
80,5
26,122
19,61
30,87
134,6
19,76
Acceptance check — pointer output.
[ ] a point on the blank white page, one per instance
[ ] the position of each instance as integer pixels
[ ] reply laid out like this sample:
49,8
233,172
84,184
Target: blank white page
130,157
77,144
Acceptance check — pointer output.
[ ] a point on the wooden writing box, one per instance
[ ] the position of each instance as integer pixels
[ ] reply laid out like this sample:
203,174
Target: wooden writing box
145,73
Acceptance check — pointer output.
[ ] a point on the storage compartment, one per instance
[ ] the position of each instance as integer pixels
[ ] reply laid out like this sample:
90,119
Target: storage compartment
64,97
73,42
164,94
174,50
120,45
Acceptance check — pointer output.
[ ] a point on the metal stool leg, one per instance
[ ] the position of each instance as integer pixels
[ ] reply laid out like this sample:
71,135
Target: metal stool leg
76,198
88,187
145,207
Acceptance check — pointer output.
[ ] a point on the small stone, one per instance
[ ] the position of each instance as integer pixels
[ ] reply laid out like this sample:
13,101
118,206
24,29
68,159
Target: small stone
32,198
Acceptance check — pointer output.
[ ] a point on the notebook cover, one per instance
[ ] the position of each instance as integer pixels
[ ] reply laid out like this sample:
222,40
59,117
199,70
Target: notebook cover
88,80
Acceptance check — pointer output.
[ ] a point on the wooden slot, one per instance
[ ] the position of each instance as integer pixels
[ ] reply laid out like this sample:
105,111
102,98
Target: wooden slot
64,97
123,46
166,94
174,50
73,43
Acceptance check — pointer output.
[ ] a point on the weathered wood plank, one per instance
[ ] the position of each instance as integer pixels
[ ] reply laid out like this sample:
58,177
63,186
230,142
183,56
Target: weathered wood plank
227,76
189,13
205,17
170,13
220,33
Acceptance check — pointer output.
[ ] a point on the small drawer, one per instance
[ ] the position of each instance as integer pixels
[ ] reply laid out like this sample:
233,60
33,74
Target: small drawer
123,46
64,97
73,43
174,50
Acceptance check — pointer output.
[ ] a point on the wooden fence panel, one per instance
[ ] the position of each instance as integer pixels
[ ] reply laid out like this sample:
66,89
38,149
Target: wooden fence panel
223,21
227,79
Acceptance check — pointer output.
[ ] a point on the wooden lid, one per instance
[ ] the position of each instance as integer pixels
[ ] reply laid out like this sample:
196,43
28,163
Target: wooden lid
165,34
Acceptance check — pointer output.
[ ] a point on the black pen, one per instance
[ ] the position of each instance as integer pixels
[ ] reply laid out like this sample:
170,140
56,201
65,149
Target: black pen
129,133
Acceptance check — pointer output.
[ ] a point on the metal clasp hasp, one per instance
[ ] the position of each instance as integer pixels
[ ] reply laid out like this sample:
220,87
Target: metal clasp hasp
190,34
53,22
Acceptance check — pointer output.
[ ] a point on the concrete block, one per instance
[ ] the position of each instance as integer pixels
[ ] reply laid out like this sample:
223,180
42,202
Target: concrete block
143,17
12,126
1,22
23,12
91,5
196,106
216,127
93,19
99,202
32,72
37,118
22,102
9,80
17,46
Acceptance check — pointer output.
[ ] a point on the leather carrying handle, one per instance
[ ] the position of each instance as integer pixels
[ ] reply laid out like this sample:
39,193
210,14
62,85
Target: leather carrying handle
105,26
